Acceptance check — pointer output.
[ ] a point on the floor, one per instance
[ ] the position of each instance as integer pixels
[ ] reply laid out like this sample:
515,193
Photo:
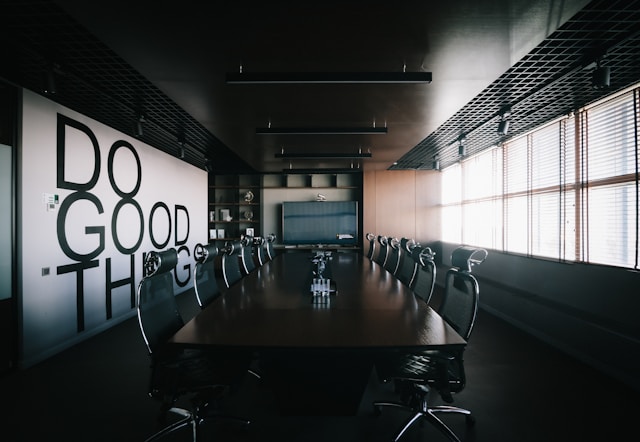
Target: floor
519,389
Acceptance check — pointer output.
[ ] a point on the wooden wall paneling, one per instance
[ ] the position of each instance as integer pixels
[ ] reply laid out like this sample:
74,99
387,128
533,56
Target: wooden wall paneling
369,206
395,203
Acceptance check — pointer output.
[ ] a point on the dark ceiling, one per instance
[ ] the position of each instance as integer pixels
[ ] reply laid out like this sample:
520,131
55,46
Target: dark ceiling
113,60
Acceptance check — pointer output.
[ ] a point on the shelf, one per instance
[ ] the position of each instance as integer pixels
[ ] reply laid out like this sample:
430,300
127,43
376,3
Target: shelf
230,187
309,187
236,221
233,204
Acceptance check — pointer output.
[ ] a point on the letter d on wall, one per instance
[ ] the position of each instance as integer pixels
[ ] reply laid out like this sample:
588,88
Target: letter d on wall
61,146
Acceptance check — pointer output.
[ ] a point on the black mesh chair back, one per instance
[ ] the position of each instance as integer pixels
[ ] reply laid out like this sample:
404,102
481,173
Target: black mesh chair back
246,255
381,257
416,374
231,272
425,276
393,260
407,266
205,281
260,250
270,239
202,377
158,314
372,245
461,291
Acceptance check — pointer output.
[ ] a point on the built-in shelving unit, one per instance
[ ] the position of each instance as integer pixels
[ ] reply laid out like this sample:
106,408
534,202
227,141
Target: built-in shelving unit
227,193
319,181
234,206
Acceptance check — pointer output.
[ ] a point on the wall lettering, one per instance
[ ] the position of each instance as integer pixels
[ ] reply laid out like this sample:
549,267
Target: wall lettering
86,192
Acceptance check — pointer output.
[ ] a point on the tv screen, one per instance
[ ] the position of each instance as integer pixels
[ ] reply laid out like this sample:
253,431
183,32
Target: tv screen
320,222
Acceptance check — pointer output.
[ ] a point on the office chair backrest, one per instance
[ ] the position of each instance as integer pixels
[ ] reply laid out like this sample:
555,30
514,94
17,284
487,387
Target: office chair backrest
461,292
158,314
381,257
260,248
393,260
425,276
231,272
270,239
407,266
205,283
372,245
246,254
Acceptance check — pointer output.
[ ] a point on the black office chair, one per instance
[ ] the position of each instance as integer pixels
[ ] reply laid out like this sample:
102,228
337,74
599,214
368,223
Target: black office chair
425,276
270,239
415,374
205,281
176,373
231,272
383,251
259,246
393,260
372,245
246,254
407,265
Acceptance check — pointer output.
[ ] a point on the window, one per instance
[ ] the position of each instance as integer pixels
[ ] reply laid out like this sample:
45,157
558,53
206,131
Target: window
482,206
609,175
553,194
451,208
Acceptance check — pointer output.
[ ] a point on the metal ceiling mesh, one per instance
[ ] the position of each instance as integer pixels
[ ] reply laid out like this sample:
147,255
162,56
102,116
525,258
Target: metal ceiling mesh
553,80
93,80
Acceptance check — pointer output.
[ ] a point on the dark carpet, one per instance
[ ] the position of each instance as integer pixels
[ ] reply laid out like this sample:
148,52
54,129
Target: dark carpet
519,389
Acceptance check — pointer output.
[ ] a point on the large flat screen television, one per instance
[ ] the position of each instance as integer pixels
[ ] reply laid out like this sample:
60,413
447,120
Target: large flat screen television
320,222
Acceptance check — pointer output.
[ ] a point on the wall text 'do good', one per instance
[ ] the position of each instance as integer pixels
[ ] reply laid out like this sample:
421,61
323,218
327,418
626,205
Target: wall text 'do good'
140,224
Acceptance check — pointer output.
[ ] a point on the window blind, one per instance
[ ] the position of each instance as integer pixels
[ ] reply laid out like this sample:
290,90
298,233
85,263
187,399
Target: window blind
567,191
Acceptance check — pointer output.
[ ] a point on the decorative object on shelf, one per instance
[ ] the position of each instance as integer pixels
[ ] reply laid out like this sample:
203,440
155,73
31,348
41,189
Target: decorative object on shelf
225,215
248,197
249,231
212,234
321,197
220,233
212,216
248,215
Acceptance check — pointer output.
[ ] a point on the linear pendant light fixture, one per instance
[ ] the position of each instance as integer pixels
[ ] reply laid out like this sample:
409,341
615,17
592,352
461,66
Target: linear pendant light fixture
328,77
321,130
318,155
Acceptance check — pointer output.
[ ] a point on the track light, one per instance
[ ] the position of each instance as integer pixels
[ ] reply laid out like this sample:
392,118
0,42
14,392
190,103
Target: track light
503,125
181,143
462,150
50,86
436,164
139,132
600,77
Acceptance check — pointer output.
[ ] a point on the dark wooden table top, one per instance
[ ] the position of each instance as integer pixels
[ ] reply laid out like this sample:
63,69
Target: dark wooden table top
272,308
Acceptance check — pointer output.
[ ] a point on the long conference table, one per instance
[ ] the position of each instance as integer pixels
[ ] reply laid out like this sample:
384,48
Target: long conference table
318,356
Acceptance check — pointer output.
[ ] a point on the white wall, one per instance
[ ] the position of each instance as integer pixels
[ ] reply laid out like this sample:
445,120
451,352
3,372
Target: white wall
114,198
6,191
